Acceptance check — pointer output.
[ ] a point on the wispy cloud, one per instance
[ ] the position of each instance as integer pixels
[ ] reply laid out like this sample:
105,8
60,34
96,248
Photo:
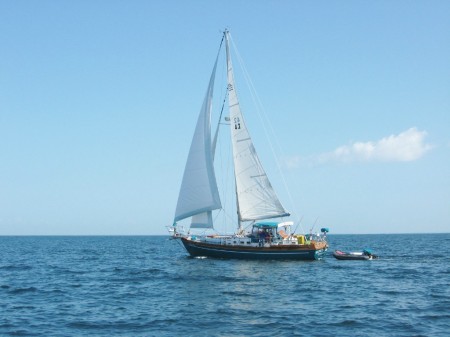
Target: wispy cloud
407,146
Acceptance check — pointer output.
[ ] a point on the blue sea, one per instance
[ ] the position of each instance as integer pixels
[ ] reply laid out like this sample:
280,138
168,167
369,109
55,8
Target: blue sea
148,286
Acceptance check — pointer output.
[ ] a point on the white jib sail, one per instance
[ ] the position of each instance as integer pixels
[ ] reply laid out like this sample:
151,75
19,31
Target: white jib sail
256,197
199,192
202,220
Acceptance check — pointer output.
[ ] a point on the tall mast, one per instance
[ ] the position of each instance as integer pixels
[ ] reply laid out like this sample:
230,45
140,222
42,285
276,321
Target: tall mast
230,87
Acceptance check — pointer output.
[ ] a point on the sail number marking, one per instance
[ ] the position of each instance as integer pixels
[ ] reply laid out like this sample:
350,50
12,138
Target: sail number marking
237,123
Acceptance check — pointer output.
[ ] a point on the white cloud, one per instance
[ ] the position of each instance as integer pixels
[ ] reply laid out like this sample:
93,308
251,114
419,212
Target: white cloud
406,146
292,162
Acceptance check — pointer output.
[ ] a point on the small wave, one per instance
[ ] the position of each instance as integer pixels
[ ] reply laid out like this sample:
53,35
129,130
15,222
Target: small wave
19,307
67,270
146,271
137,275
228,279
20,333
440,296
389,292
436,317
23,290
337,267
87,325
90,258
236,293
75,272
185,278
15,267
347,322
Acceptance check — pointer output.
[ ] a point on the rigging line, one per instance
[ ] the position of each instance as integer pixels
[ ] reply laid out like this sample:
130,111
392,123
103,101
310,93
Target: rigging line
300,221
264,121
223,105
221,41
218,52
314,225
214,143
219,122
224,72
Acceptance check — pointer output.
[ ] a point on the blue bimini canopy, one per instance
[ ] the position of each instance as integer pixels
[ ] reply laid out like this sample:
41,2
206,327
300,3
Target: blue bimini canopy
265,224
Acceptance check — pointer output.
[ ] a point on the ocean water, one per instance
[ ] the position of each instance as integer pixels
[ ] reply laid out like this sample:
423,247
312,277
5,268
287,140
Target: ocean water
148,286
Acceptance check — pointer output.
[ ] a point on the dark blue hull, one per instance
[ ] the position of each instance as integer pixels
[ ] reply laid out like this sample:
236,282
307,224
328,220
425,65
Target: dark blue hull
196,248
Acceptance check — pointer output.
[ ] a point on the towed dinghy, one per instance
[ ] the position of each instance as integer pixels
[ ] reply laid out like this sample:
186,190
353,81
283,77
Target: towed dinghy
364,255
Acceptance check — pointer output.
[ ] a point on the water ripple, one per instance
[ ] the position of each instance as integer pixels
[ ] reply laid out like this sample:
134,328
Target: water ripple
19,291
148,286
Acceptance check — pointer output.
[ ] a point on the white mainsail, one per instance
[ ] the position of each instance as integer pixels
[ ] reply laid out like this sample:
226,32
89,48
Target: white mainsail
199,194
256,199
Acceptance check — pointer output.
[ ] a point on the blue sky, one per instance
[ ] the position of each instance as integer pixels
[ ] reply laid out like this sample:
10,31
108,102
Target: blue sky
99,99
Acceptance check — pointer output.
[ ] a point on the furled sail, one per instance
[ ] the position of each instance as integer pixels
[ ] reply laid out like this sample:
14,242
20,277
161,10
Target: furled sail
255,196
199,192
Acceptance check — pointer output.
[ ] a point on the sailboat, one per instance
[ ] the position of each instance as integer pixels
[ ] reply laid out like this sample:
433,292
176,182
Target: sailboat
258,235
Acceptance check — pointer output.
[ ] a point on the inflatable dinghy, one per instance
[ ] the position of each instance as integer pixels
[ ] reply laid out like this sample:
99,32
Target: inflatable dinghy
364,255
